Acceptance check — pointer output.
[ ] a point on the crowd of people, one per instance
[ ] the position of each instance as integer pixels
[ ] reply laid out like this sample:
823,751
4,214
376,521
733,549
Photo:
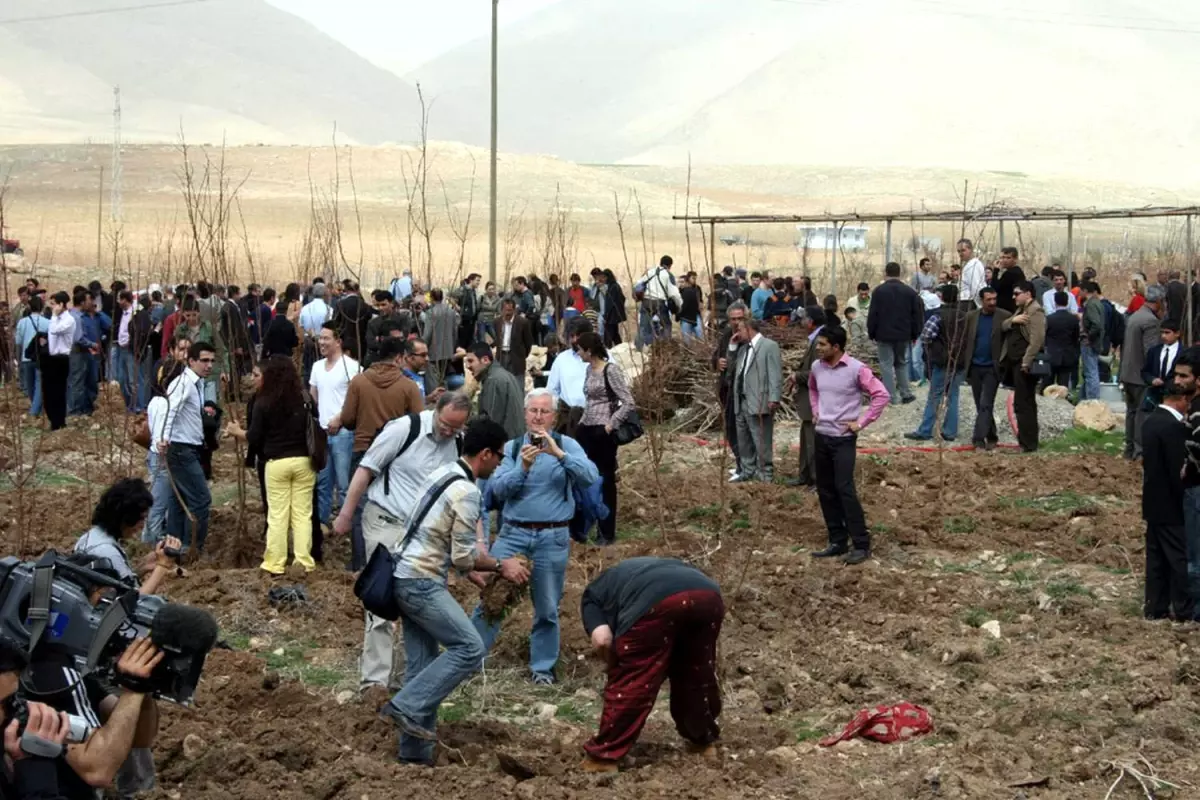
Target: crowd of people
357,424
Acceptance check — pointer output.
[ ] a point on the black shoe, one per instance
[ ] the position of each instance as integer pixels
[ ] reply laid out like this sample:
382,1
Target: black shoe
833,551
916,437
855,557
990,446
909,399
979,445
389,713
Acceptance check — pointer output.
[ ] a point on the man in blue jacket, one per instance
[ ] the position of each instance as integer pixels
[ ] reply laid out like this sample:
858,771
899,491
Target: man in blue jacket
535,485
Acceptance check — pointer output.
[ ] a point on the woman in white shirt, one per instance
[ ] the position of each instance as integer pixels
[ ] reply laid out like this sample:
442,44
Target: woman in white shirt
57,366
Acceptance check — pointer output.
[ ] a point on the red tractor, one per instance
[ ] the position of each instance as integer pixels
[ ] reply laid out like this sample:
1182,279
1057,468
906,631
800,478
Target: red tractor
11,246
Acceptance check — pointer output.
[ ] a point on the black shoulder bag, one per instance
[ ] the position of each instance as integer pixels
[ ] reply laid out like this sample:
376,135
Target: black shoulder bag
631,429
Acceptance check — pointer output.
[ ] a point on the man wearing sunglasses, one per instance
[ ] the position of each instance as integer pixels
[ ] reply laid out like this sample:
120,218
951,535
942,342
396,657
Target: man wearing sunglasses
183,443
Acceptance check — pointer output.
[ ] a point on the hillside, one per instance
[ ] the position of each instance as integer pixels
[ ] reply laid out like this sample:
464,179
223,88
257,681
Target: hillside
244,70
1063,88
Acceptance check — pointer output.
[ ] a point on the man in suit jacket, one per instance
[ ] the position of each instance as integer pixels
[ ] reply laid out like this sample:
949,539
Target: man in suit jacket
814,321
1062,342
1160,363
985,338
757,390
1164,438
894,321
1141,333
1024,337
1177,298
514,339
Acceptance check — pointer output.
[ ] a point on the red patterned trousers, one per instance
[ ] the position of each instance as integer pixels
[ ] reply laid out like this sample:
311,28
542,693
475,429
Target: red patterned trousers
676,640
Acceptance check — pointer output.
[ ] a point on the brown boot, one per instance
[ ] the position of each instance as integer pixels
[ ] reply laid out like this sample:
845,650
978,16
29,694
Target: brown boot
708,752
597,766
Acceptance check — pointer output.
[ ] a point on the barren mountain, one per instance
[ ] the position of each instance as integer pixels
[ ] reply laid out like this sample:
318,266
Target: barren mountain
236,68
1091,89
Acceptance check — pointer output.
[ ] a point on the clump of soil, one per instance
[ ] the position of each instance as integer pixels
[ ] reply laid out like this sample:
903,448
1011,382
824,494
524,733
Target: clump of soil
501,596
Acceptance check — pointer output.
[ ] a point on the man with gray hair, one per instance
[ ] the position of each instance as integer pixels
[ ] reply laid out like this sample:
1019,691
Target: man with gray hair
406,452
316,313
1141,333
757,392
535,482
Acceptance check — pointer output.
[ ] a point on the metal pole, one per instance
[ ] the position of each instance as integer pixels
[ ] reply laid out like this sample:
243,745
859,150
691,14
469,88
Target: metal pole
495,132
712,247
1001,234
887,246
1070,265
1191,276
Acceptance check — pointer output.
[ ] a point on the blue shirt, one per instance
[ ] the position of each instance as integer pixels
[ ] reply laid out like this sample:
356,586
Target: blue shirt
417,379
542,494
401,288
90,329
29,327
983,341
758,302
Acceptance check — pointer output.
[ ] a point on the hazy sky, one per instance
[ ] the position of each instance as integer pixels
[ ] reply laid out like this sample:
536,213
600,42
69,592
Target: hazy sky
402,34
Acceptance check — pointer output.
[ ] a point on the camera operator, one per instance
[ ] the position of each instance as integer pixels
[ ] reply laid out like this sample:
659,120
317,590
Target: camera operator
119,515
27,776
130,715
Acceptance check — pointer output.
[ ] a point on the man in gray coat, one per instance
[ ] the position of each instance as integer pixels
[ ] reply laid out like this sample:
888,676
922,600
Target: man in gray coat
1141,333
501,396
441,334
757,390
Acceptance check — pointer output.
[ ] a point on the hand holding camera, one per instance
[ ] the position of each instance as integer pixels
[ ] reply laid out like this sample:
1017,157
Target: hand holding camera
44,734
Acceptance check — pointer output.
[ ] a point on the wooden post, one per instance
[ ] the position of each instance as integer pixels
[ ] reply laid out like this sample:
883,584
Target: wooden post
1070,265
837,235
1001,234
887,246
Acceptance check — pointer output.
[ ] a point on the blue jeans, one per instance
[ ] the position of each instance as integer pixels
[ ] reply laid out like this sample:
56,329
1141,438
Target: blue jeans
691,330
160,490
1091,373
125,373
184,462
31,377
337,469
77,379
1191,526
549,550
485,329
916,362
937,388
431,617
145,369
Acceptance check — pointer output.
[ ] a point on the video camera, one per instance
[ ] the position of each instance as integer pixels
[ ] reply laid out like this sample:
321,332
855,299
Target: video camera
48,603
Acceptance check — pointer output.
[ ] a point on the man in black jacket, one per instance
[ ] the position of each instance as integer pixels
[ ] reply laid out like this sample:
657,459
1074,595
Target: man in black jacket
724,359
985,338
351,315
1010,274
894,322
1164,437
1062,343
653,619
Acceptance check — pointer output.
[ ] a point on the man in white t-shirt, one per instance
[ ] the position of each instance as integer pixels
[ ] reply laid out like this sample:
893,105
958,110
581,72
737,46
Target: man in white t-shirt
329,381
974,276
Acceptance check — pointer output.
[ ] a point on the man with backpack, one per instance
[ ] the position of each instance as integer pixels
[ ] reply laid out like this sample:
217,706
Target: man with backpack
407,451
373,398
535,482
659,286
1096,338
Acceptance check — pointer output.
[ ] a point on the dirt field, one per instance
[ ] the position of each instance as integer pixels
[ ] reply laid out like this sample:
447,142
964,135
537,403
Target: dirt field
1048,546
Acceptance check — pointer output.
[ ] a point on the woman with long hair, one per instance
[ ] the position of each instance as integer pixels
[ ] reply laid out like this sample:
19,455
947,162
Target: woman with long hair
279,431
614,309
609,403
156,465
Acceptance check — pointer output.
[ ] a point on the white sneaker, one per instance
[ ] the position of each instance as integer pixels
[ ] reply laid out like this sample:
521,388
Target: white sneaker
733,471
735,477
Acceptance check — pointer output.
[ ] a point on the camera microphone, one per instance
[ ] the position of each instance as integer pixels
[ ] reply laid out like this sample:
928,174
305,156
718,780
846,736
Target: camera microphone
183,629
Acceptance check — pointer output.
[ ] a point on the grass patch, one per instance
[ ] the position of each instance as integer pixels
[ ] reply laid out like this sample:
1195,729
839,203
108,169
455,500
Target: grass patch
703,512
1017,558
1057,503
1062,589
1082,440
238,641
805,732
1023,577
1115,570
741,524
956,569
294,662
638,531
975,617
580,715
958,525
880,527
793,498
453,712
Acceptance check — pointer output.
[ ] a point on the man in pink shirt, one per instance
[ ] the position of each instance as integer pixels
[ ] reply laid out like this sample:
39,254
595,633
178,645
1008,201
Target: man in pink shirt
835,388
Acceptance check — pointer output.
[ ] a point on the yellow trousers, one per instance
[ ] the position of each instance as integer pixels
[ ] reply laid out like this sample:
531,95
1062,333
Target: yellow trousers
289,502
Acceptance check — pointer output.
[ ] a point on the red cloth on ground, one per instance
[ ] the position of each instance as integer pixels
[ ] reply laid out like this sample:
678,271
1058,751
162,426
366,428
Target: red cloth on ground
677,639
885,724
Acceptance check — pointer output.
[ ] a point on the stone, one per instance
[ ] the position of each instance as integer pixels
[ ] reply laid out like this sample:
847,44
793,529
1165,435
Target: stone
1095,415
545,711
1057,392
193,747
344,696
783,753
992,627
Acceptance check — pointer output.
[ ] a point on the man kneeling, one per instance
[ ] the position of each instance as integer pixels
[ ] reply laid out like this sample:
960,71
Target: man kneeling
653,619
441,531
